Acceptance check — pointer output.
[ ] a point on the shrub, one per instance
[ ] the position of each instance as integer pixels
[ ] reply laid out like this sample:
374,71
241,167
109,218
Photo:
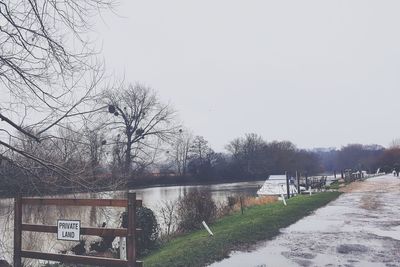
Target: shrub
145,220
232,200
193,208
167,210
147,239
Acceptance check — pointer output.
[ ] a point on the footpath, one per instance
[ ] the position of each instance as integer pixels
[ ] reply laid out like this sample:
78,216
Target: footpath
360,228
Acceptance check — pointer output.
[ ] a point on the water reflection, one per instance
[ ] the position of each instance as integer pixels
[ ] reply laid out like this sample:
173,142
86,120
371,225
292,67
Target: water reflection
96,216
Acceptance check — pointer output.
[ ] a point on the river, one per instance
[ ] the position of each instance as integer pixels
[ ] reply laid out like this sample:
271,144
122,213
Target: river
152,198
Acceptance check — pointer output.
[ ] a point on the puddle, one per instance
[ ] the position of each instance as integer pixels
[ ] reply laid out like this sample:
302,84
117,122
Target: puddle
360,229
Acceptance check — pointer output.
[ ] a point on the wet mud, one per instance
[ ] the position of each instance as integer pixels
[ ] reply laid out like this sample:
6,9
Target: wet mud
360,228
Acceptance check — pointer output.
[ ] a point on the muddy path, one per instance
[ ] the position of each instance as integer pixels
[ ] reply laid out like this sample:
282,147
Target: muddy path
360,228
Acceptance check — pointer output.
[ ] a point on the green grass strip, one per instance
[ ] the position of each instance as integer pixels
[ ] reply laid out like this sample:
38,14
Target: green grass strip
235,231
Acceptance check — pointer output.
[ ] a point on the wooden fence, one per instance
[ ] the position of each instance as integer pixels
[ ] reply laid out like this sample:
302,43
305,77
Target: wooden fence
130,232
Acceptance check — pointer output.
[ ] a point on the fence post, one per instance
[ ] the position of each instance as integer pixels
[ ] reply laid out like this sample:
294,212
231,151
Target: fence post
131,238
17,231
287,185
298,182
306,181
241,204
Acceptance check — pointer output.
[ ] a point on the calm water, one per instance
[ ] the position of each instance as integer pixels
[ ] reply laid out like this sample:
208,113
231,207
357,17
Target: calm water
153,198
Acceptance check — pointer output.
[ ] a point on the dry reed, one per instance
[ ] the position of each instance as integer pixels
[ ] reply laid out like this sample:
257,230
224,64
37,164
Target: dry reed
255,201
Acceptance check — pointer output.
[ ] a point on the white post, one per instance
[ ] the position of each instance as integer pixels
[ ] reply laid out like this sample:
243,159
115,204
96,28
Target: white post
283,199
122,248
207,228
282,195
295,190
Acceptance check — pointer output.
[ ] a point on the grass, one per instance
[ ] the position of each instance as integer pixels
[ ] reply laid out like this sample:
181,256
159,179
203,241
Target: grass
255,201
335,185
235,231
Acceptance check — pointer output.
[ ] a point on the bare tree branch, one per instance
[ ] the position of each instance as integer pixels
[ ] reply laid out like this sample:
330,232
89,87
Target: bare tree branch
136,114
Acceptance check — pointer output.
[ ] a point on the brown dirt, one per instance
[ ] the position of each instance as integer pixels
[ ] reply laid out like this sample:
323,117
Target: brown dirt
370,203
373,185
254,201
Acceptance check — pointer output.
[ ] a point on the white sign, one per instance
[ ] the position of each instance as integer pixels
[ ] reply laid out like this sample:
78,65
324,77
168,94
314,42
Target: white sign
68,230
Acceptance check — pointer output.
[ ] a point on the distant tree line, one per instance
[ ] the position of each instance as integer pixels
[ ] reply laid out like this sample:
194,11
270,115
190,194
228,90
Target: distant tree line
247,158
114,151
253,158
361,157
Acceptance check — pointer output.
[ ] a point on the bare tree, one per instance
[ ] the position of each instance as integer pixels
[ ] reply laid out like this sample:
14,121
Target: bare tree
395,143
200,148
201,157
95,146
246,152
47,69
180,151
168,212
140,122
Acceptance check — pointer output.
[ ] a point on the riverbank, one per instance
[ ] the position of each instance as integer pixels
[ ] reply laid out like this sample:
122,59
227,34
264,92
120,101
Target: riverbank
136,184
236,231
361,228
152,198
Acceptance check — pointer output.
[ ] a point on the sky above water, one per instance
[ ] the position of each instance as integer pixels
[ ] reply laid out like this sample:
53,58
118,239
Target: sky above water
317,73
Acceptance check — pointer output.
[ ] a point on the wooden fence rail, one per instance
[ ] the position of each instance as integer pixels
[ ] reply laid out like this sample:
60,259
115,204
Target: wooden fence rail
130,232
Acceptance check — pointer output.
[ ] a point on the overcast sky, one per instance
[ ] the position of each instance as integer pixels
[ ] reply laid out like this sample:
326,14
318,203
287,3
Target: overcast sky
317,73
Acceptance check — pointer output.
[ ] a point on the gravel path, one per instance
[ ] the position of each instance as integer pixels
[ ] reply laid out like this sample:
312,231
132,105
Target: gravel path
360,228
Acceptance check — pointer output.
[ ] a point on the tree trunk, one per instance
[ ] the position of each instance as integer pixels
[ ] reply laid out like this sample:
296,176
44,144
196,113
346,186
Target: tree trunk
128,156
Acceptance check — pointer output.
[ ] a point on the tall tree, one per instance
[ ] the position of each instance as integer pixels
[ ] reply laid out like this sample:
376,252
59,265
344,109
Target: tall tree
199,148
47,68
141,121
248,155
95,146
179,151
395,143
389,160
357,156
201,157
